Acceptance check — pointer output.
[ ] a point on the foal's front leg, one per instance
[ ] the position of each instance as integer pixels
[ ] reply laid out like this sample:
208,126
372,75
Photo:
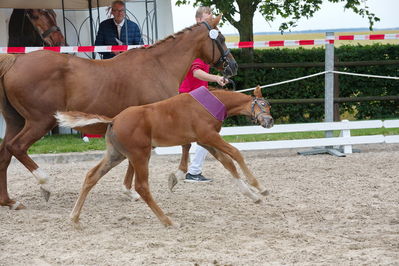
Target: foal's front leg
217,142
183,167
127,183
229,165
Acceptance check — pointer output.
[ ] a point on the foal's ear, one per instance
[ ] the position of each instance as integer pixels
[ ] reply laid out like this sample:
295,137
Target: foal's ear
216,20
258,92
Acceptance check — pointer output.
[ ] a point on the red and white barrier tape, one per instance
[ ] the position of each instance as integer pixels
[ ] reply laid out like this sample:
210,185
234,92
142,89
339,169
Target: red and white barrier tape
69,49
257,44
331,40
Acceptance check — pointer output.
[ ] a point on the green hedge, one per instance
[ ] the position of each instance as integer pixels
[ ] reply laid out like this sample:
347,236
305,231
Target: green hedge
350,86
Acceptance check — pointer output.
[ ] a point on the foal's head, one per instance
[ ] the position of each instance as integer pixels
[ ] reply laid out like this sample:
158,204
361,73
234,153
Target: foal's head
215,49
260,110
44,22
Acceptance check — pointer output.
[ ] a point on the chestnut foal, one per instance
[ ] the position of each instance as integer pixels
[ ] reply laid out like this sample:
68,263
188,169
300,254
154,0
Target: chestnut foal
178,120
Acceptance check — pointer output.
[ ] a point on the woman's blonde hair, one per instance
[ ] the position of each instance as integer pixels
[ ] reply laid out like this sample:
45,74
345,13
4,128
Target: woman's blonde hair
203,10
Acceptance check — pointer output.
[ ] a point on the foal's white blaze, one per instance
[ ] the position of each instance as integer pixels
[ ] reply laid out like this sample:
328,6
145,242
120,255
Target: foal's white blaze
41,176
244,189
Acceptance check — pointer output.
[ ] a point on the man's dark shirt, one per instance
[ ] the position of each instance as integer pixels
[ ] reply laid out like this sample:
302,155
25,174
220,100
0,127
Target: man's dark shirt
108,32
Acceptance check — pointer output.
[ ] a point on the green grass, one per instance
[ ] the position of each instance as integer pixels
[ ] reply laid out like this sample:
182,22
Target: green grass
66,143
74,143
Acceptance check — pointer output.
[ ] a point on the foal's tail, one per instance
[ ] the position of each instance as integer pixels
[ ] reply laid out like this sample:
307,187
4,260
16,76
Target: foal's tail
79,119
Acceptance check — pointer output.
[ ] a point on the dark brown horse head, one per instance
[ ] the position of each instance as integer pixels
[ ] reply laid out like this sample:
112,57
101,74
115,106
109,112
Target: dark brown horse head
220,56
44,22
260,109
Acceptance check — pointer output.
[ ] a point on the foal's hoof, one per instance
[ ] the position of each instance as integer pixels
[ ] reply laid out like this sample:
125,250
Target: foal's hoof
131,194
175,225
77,225
45,193
258,201
172,181
265,192
16,206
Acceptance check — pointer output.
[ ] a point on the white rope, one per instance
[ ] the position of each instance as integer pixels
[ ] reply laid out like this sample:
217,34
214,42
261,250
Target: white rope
287,81
317,74
364,75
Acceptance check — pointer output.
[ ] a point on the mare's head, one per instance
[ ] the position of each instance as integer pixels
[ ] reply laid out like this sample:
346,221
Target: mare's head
215,49
45,24
260,110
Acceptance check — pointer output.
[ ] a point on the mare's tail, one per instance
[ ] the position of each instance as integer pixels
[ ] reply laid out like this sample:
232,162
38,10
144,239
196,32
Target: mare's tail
6,62
79,119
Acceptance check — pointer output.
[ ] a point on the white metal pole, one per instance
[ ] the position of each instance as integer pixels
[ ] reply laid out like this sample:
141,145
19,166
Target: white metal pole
329,84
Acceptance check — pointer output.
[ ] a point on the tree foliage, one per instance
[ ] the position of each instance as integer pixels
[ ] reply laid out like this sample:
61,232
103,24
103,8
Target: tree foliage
291,10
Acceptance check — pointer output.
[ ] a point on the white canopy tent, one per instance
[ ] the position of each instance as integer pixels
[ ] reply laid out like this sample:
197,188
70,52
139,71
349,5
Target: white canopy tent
56,4
77,11
73,11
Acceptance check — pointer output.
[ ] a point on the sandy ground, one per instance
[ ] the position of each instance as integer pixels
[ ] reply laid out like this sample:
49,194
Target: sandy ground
321,210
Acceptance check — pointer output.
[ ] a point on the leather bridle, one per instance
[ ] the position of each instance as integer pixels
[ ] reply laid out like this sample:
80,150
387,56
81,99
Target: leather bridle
262,104
46,33
223,58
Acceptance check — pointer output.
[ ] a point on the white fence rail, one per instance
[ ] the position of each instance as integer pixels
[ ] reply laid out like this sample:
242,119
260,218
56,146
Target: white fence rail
345,139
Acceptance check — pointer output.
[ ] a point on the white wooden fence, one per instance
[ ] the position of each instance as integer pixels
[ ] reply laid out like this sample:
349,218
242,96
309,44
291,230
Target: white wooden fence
345,139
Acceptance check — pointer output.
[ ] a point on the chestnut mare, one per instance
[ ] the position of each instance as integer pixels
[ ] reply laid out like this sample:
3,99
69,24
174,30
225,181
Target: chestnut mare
31,92
175,121
34,27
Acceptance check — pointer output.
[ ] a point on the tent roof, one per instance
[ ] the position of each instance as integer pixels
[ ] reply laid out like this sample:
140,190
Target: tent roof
54,4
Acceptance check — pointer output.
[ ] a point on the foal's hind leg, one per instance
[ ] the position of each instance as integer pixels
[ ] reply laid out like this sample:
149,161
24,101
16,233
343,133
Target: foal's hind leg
127,183
111,159
229,165
140,161
18,146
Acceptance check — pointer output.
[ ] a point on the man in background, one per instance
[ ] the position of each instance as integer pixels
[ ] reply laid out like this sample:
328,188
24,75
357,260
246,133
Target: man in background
113,31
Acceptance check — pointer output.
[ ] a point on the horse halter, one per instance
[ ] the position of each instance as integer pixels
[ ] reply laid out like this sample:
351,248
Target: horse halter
46,33
261,103
224,54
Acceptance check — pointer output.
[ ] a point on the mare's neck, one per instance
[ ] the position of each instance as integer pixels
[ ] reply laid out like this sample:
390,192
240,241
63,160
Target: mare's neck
236,103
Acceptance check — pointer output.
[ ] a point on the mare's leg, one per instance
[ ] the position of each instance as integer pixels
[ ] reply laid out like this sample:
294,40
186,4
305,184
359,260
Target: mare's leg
140,159
127,183
14,125
217,142
111,159
183,167
18,146
229,165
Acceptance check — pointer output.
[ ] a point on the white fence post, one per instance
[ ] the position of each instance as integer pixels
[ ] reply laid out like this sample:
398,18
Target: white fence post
346,133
